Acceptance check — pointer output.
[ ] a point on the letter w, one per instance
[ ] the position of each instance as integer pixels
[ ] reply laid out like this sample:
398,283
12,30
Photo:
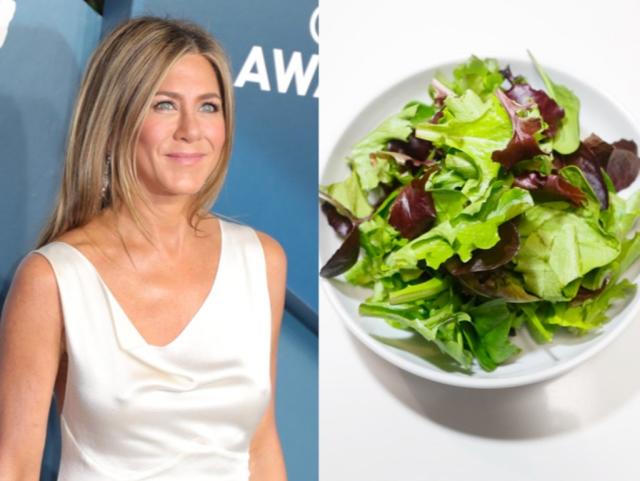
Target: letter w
295,68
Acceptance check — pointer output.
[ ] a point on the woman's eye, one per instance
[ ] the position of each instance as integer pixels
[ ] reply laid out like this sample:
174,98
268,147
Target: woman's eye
210,107
164,105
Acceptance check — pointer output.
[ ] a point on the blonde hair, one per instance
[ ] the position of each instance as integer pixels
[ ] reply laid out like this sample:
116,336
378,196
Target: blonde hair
123,74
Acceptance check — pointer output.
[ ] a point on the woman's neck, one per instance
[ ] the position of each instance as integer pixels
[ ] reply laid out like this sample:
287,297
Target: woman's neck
166,226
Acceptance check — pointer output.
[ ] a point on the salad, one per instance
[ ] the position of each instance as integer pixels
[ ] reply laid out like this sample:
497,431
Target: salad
483,212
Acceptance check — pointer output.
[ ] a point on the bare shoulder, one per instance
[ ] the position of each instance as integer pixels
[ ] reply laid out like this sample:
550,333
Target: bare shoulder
274,253
35,275
33,301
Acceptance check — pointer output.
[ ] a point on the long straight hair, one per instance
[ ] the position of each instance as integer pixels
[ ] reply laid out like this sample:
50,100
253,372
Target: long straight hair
119,83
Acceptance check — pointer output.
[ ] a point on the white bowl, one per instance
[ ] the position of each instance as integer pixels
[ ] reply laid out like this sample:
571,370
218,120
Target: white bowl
598,114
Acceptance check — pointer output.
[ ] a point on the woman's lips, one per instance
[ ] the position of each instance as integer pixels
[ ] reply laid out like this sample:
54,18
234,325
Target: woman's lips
184,158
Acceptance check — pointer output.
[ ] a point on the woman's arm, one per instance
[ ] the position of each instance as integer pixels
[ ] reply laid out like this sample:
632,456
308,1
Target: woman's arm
266,460
30,339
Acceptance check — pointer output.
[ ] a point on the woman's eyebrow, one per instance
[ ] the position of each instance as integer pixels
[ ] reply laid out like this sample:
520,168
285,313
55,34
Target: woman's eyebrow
176,95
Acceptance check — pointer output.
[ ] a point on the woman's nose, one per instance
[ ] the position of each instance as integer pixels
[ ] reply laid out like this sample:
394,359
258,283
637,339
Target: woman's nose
188,127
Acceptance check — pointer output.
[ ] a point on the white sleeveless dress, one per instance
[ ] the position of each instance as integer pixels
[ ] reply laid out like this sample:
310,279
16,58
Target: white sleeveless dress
182,412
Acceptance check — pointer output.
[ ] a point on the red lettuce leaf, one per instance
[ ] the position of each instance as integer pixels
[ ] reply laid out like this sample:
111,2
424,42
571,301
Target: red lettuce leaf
345,257
586,294
437,116
497,284
440,92
523,144
551,187
413,211
625,144
405,162
489,259
619,159
590,160
414,147
522,93
623,164
601,150
340,223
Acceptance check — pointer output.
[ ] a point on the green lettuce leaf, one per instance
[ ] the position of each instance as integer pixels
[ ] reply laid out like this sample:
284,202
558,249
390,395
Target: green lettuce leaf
419,291
629,254
622,214
575,176
558,247
490,342
539,329
349,195
377,237
480,76
441,326
567,138
463,234
593,312
618,220
449,203
475,127
364,272
397,126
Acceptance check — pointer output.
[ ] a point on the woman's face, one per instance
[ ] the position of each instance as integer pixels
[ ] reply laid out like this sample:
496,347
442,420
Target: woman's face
184,131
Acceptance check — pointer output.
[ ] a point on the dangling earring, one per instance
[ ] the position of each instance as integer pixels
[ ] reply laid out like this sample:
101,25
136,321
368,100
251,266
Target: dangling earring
106,179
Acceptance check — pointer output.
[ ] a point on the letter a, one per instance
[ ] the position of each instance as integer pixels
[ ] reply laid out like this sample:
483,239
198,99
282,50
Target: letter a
255,60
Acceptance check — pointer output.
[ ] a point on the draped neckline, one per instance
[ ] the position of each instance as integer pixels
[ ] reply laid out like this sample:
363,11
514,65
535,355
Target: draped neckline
192,321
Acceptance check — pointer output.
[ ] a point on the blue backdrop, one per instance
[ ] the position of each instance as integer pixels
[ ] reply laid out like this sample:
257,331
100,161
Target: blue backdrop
273,172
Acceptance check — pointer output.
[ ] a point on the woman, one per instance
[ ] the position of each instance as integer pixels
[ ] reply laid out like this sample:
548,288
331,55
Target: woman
154,322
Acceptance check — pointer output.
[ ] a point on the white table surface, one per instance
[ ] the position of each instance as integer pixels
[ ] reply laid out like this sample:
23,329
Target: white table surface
378,423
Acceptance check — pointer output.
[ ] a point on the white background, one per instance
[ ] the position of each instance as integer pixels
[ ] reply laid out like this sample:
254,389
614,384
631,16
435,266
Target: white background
378,423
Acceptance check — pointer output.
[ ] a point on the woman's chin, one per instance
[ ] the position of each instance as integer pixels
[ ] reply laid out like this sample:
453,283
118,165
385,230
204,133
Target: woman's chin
176,190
